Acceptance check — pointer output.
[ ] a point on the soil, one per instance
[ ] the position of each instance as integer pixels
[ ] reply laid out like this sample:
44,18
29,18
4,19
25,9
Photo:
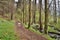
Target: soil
25,34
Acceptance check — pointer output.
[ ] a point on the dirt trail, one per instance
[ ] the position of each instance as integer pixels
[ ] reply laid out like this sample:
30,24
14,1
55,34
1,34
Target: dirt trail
25,34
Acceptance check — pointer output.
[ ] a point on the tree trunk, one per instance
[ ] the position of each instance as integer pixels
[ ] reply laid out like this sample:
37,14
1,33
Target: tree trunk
12,10
46,18
29,14
23,11
40,19
34,15
55,13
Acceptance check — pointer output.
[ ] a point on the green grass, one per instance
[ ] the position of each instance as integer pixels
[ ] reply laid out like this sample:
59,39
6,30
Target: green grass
7,30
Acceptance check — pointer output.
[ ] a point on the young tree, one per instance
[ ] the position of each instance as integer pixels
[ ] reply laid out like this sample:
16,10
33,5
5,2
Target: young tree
23,10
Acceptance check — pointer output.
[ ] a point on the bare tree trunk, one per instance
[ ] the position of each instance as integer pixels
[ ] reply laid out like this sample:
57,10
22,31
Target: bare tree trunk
55,13
3,11
40,19
46,18
29,14
12,9
23,11
34,15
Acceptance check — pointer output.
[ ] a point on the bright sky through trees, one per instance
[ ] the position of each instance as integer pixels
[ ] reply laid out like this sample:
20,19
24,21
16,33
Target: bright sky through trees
16,0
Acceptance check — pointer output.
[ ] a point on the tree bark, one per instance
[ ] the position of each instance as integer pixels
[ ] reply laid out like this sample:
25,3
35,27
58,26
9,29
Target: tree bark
40,19
46,18
12,9
55,13
29,14
23,11
34,15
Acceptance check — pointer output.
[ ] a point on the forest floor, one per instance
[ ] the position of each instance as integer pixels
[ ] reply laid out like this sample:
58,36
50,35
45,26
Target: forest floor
25,34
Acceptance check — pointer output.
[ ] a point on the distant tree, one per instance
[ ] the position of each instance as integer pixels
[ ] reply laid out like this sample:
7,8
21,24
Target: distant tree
23,10
12,9
55,12
20,9
18,3
59,7
34,14
2,7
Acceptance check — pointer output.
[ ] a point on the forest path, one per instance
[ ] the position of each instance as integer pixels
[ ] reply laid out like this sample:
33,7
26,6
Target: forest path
25,34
